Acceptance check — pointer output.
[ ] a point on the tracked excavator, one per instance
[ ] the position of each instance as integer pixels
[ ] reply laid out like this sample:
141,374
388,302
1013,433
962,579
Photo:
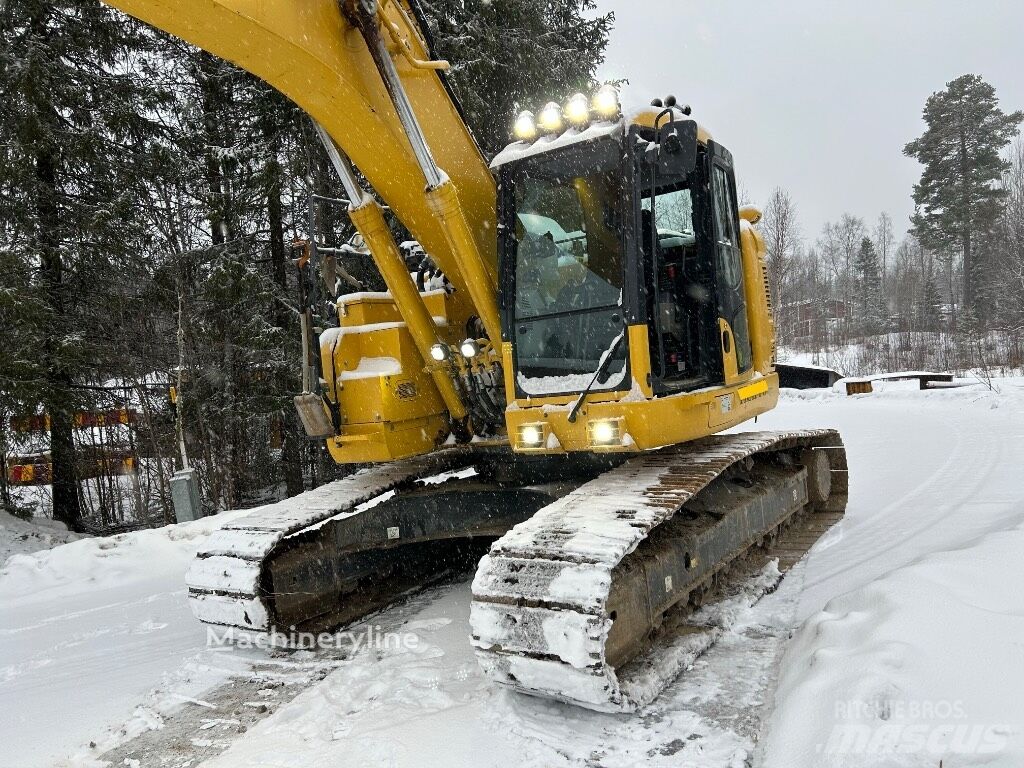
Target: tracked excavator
555,406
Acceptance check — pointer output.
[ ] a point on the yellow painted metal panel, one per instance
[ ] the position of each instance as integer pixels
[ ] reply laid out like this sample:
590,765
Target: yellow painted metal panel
759,314
640,358
729,358
649,423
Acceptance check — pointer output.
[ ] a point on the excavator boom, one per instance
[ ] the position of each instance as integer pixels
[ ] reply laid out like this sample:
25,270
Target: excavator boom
314,53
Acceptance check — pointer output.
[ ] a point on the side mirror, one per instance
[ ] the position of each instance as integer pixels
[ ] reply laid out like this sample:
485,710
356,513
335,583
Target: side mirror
676,153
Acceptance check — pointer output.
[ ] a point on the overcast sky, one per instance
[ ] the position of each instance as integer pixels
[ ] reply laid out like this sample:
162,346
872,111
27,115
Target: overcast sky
816,96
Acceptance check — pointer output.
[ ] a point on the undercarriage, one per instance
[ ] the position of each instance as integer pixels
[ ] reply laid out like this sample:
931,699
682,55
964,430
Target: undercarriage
590,564
329,556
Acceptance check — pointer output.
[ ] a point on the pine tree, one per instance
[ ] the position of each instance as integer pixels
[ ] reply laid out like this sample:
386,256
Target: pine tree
1011,236
22,311
870,315
509,55
884,239
276,119
244,153
74,126
930,305
957,200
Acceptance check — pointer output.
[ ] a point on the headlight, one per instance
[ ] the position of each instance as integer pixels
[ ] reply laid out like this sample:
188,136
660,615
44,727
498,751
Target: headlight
531,436
577,111
440,352
469,348
550,120
525,127
606,102
605,432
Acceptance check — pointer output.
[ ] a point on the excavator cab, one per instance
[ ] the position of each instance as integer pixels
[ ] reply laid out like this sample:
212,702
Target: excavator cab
693,271
624,281
566,269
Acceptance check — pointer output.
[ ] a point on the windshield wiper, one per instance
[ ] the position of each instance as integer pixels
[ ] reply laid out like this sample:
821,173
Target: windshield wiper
573,312
602,366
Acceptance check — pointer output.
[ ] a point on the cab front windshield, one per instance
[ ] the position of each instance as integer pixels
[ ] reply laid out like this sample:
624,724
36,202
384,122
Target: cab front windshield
569,270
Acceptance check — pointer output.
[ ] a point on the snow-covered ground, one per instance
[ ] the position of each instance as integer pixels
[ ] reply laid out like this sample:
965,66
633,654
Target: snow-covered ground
912,639
23,537
907,624
95,635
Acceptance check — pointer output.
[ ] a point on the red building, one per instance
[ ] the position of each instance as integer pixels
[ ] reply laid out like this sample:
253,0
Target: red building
814,319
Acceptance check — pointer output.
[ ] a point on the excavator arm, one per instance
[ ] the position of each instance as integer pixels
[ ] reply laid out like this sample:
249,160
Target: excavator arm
310,51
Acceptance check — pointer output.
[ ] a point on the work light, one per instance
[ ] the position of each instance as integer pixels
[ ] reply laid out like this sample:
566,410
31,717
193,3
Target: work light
525,127
605,102
577,111
531,436
550,119
605,432
469,348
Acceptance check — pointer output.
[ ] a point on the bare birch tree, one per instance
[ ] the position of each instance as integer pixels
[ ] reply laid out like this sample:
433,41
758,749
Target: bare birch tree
782,238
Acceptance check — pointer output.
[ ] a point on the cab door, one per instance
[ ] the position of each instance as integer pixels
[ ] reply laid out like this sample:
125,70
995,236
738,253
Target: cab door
734,336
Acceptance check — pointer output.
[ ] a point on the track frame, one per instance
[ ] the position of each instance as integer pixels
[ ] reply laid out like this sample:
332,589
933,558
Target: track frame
570,604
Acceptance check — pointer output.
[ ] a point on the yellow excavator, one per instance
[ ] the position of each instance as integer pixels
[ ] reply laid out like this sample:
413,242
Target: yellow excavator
553,404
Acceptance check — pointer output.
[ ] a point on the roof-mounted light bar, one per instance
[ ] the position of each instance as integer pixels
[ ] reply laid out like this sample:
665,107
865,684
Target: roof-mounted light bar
579,112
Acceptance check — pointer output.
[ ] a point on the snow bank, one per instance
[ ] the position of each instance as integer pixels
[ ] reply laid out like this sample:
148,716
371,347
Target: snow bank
921,665
92,563
22,537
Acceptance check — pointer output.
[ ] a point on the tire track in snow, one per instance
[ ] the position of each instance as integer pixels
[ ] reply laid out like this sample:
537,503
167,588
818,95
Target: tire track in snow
894,530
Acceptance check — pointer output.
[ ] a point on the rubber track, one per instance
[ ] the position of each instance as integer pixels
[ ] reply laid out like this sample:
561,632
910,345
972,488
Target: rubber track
538,616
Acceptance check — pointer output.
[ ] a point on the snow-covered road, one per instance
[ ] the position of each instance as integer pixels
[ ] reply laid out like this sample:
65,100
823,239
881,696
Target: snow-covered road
908,646
96,634
921,655
929,471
